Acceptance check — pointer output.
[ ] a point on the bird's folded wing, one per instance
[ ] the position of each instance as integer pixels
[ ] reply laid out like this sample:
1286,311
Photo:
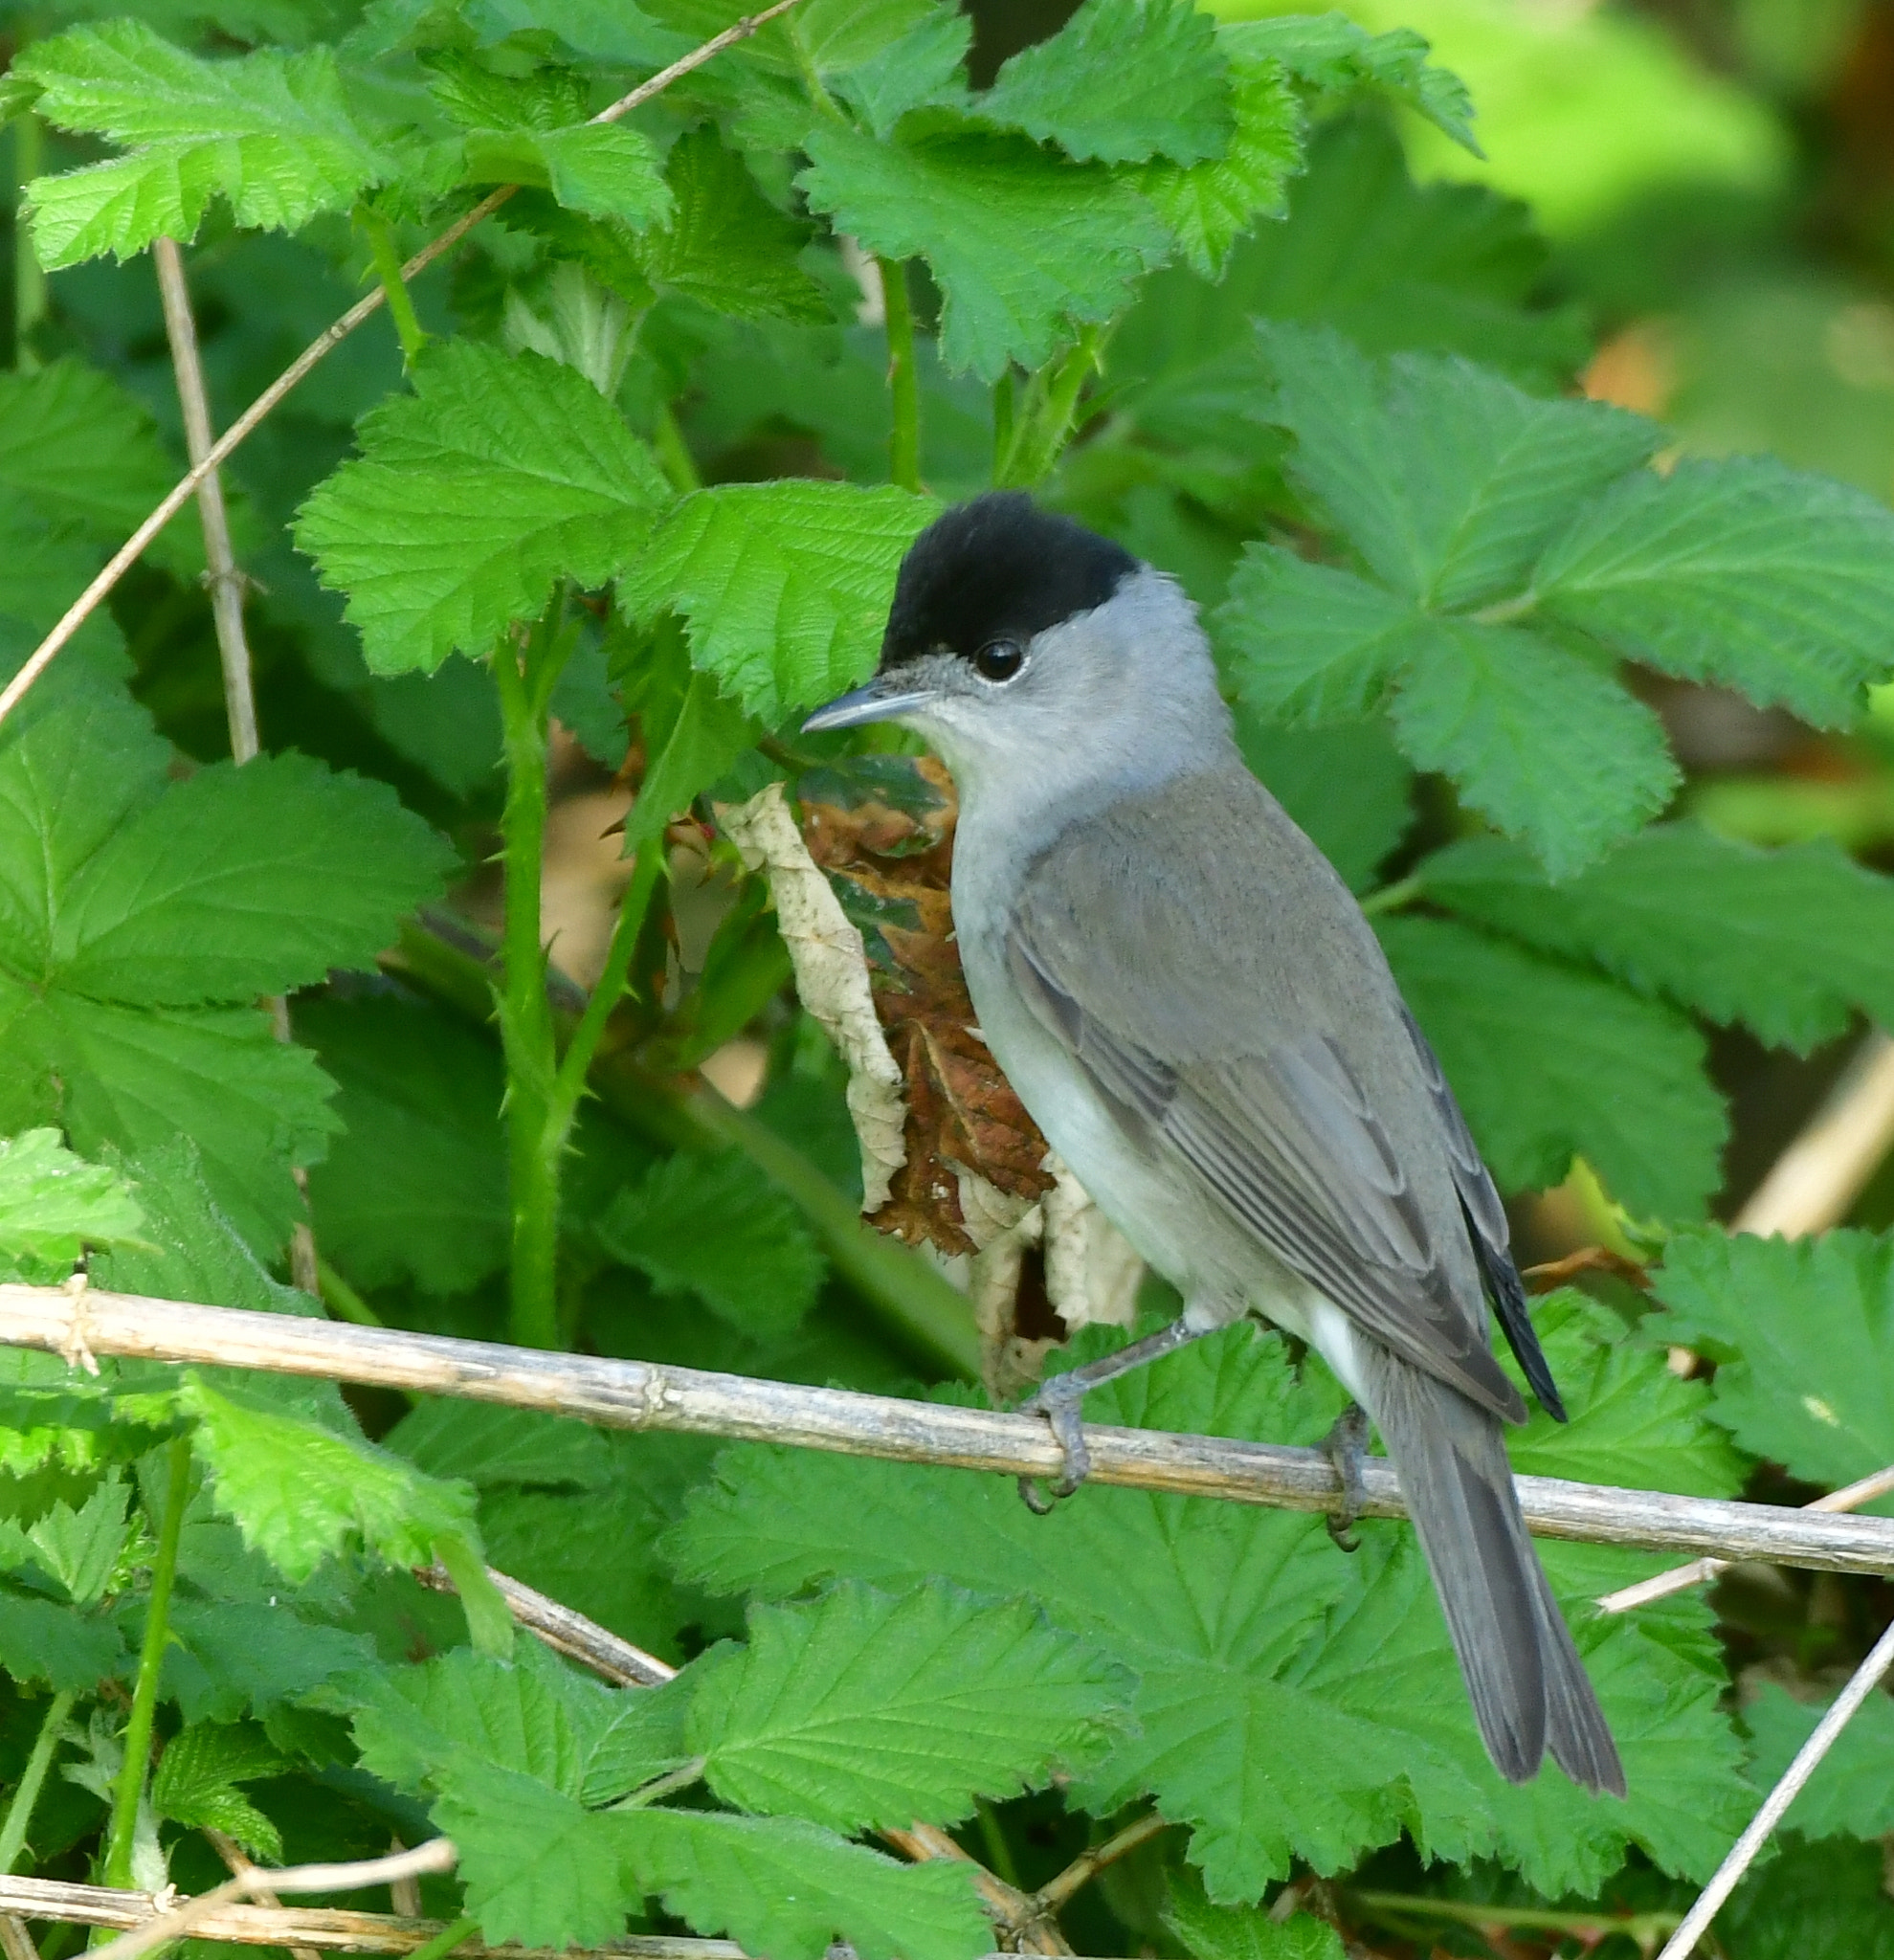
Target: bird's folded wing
1289,1143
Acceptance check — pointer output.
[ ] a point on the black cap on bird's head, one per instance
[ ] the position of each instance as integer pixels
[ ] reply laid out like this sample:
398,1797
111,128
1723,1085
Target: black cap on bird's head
991,573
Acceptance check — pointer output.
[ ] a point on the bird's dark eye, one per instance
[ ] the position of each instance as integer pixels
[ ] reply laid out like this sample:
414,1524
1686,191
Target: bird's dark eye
999,660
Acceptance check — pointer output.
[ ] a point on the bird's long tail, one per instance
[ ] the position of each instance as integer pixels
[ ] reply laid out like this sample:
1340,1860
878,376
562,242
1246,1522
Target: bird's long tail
1528,1687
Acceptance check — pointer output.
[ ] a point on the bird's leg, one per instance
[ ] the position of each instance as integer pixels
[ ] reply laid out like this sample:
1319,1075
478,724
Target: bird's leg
1346,1446
1059,1401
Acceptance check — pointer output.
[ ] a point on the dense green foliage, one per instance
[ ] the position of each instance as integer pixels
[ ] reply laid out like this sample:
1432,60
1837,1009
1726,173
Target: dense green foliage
619,499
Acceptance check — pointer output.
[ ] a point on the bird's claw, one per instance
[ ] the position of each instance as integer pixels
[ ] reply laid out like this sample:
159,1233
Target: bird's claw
1059,1401
1346,1446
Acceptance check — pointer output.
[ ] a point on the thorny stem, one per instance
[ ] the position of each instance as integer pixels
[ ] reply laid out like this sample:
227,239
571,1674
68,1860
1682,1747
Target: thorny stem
903,384
151,1665
330,338
523,674
28,276
33,1778
386,258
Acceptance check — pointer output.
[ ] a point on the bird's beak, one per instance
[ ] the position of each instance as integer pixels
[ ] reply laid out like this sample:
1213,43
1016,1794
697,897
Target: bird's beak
883,699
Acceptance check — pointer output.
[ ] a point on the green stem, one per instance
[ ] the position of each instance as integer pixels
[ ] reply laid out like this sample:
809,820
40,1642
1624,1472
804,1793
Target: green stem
999,1853
903,384
29,304
151,1665
582,1044
1636,1926
1041,435
1392,898
674,456
19,1813
679,1778
524,678
341,1298
446,1940
387,259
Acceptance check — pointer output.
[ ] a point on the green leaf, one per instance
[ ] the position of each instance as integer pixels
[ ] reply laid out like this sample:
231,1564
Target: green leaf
77,1548
784,587
837,36
1446,479
1789,943
54,1204
1778,584
271,132
600,170
301,1493
502,1449
1208,205
869,1710
1541,742
229,1657
415,1188
246,881
56,1645
1217,1933
727,244
1803,1336
1122,81
1307,643
783,1887
499,475
1254,1730
197,1780
716,1227
1813,1901
1549,1063
1329,52
925,67
1345,786
1024,246
1849,1795
710,731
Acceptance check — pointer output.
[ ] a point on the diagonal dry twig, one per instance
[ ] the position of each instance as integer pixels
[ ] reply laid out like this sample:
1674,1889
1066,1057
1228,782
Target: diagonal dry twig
181,493
1743,1853
631,1394
566,1632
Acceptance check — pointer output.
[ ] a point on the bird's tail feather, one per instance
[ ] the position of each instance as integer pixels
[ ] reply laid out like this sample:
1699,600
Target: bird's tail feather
1528,1687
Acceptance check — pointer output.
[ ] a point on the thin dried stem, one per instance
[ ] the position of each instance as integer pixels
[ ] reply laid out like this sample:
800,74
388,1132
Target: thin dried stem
127,554
1088,1865
1815,1181
16,1942
567,1633
237,1861
1025,1926
632,1395
1743,1853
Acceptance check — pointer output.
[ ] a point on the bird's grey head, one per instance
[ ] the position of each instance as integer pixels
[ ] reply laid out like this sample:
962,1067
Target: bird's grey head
1029,650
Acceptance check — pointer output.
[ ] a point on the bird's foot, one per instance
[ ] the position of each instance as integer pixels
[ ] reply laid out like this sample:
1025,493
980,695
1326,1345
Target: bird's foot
1060,1401
1346,1446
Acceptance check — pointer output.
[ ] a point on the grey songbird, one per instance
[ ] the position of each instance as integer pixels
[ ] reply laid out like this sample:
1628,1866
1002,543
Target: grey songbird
1190,1002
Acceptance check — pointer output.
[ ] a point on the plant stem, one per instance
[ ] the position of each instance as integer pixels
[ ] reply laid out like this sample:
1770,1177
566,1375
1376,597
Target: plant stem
1390,898
29,305
903,384
19,1813
1636,1926
342,1301
1040,435
679,1778
446,1940
151,1665
524,675
674,456
582,1044
805,66
999,1853
386,260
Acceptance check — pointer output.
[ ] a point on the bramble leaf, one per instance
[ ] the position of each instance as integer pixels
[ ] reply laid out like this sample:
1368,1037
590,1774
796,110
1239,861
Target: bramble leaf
1788,942
197,1778
76,1548
716,1227
1803,1335
1024,245
53,1204
499,475
866,1709
784,587
269,131
58,1645
1849,1795
1122,81
1622,1085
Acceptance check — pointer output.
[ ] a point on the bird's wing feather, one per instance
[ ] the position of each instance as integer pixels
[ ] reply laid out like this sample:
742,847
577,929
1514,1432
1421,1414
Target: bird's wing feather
1290,1142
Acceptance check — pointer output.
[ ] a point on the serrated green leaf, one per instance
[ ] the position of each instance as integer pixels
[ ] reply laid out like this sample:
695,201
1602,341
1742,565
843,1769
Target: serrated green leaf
301,1493
415,1188
1217,1933
197,1777
614,33
1329,52
1542,742
1774,581
1620,1084
1023,245
716,1227
499,475
1803,1335
246,881
839,36
1263,1732
53,1204
1309,643
1850,1794
867,1709
600,170
77,1548
1813,1901
229,1657
1122,81
727,244
502,1449
58,1645
783,1887
925,67
1208,205
271,132
710,731
784,587
1788,942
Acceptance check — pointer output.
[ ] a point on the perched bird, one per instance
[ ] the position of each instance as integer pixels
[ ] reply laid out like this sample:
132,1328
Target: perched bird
1190,1002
